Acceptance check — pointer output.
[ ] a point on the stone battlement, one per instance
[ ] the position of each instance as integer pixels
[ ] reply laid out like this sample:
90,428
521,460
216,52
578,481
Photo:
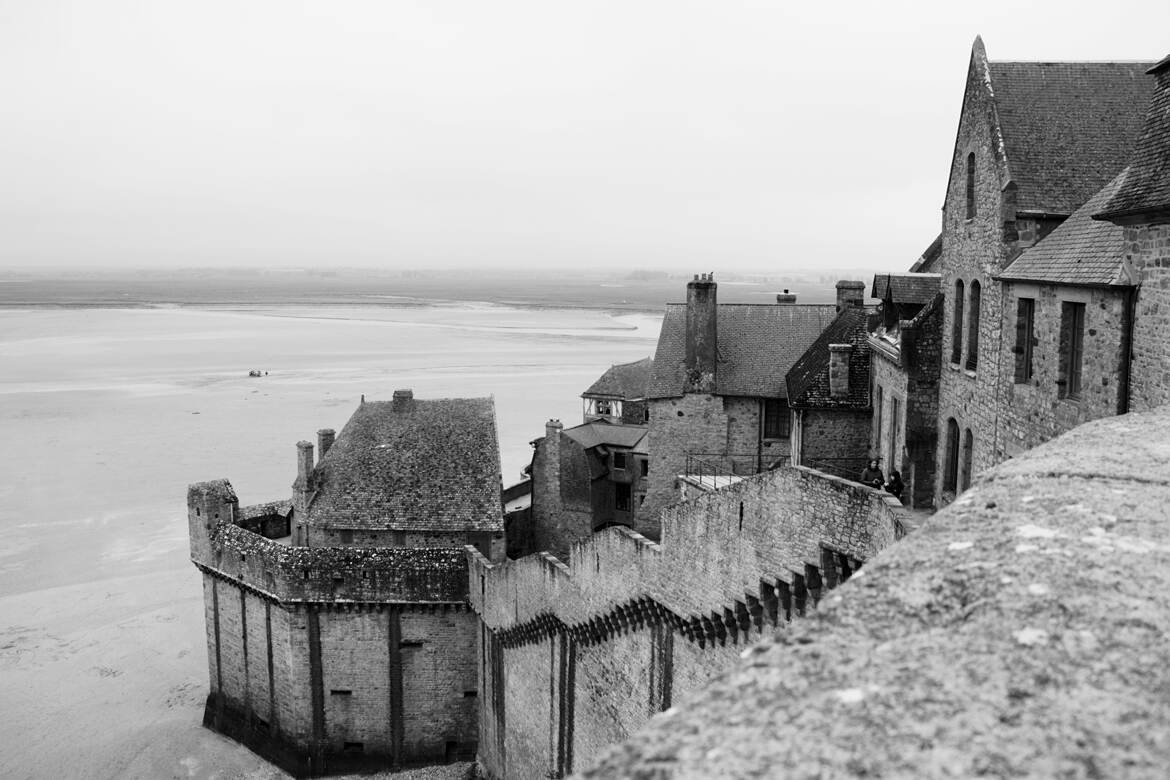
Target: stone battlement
716,550
1019,632
222,546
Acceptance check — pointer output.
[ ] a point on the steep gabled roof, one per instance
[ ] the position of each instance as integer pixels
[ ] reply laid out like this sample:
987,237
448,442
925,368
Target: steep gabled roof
808,379
906,288
431,465
1080,251
757,345
1067,127
626,381
1147,188
929,256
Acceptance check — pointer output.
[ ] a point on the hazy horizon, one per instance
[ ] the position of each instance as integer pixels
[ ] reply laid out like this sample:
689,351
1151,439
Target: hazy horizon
529,135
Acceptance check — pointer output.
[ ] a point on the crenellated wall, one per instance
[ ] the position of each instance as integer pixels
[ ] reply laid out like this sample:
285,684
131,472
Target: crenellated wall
332,659
574,657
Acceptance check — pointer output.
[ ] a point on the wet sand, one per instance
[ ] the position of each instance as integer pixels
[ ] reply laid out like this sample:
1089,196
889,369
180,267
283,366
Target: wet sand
109,413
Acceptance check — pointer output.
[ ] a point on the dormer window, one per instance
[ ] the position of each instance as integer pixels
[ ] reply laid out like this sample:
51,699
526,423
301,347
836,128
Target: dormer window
619,461
971,186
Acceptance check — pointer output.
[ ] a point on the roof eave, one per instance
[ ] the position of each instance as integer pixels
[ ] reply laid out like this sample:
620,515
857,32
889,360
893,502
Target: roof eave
1135,216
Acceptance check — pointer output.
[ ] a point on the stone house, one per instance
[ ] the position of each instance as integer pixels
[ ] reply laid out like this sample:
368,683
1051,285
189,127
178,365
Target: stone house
905,348
717,393
829,394
584,479
1035,141
338,631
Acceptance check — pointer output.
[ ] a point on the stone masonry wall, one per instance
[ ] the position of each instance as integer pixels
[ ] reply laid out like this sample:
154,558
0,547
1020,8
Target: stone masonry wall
726,429
615,636
1148,248
333,659
829,434
973,251
1031,413
562,503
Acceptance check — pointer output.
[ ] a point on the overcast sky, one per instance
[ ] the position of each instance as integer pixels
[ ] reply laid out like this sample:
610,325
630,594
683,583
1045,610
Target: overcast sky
712,135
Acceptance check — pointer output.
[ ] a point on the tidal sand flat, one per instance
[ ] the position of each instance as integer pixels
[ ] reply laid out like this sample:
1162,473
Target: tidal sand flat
109,413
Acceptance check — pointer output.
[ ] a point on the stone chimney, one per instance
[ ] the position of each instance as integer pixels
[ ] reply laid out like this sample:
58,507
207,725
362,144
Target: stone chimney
702,335
302,489
304,465
785,297
325,438
403,400
850,293
839,369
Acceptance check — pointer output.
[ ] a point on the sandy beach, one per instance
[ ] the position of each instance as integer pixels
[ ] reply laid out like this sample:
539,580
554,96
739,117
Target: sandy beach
109,413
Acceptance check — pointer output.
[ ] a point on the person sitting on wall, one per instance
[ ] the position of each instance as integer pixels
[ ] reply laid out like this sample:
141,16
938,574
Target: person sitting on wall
894,486
872,475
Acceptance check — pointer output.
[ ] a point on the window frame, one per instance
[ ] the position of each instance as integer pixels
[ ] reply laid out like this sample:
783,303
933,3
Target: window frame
776,422
974,311
1072,350
957,324
1025,339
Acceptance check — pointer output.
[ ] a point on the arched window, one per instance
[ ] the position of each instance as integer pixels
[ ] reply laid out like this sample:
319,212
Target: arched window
951,467
957,325
973,328
968,445
971,186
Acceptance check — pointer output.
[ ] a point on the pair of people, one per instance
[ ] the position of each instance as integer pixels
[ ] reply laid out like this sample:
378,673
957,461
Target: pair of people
872,476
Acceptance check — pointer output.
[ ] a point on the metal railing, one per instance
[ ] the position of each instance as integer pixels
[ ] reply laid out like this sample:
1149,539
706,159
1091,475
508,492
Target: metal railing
845,468
704,467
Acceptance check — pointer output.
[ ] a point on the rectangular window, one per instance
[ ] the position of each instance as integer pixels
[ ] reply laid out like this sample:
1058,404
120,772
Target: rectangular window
340,692
645,468
621,499
619,461
1072,335
895,424
1025,334
776,420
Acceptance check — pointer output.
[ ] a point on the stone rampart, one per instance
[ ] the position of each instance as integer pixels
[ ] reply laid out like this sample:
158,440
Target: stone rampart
575,657
1020,632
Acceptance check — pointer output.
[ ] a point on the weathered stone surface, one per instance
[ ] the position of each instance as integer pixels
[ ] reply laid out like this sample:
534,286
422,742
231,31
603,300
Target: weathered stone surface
1020,632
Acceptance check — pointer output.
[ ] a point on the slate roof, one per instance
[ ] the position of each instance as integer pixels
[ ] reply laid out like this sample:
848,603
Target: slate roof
434,466
626,381
929,256
907,288
1148,186
758,343
808,380
1081,250
594,434
1068,127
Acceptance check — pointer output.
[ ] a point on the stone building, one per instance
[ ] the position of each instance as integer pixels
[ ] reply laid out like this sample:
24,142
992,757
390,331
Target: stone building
829,394
1035,141
717,394
584,479
338,630
1141,206
905,350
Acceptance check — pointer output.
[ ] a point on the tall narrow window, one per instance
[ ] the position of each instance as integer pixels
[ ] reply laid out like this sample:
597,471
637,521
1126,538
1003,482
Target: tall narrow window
951,467
971,186
878,432
973,329
957,325
968,447
1072,335
895,424
776,419
1025,333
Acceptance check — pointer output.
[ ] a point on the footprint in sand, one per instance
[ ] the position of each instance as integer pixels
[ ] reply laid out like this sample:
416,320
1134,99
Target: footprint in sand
106,671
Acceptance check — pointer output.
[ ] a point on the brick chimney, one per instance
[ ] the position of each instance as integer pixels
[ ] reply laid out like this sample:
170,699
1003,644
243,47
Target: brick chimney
785,297
403,400
850,293
839,369
702,335
325,438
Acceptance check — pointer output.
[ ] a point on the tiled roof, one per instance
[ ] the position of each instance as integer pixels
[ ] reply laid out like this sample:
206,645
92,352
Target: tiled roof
1068,127
1147,188
908,288
758,343
1081,250
808,380
625,381
593,434
434,466
929,256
